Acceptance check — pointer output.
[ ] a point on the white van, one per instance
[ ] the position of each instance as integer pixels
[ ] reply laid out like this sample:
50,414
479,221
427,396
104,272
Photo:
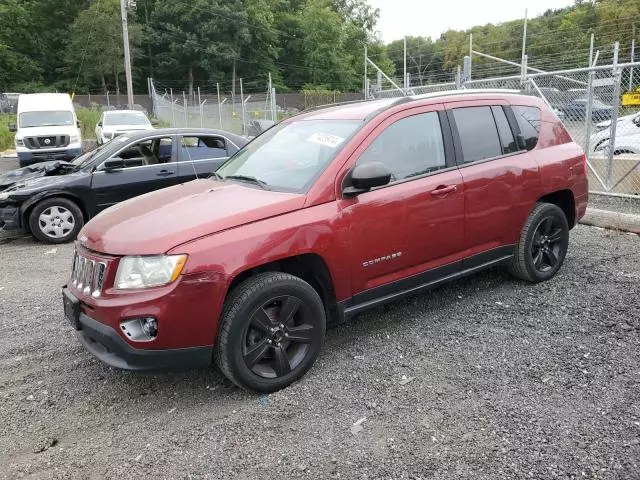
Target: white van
47,128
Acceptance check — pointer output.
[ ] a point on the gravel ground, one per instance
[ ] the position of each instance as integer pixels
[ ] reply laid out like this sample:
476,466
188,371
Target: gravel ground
487,378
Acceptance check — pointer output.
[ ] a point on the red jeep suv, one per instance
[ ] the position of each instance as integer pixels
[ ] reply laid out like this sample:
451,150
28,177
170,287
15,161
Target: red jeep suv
322,216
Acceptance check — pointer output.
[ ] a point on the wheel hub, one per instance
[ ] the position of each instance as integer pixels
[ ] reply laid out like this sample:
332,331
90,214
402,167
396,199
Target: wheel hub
278,334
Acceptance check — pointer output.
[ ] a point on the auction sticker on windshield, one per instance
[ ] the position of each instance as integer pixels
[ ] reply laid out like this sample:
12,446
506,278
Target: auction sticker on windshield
326,139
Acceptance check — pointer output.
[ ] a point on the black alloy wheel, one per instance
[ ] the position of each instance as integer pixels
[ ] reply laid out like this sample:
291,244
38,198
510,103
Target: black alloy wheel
271,331
543,244
546,245
277,337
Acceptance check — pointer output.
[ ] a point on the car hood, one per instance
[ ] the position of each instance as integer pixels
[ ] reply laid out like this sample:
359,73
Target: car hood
156,222
625,119
27,173
126,128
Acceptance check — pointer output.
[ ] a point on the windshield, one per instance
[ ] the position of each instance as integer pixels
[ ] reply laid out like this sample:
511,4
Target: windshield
290,156
46,119
133,118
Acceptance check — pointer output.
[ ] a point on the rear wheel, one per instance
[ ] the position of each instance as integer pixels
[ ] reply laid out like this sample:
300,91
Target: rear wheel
271,332
55,220
543,244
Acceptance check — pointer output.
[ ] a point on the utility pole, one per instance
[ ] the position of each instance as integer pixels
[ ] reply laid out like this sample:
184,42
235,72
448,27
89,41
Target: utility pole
366,58
405,63
524,43
124,4
633,54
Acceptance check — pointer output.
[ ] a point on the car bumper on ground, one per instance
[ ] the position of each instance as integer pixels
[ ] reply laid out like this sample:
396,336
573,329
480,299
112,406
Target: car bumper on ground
10,218
107,345
28,157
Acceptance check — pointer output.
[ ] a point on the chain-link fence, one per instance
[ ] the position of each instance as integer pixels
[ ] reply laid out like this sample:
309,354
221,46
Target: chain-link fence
234,111
596,105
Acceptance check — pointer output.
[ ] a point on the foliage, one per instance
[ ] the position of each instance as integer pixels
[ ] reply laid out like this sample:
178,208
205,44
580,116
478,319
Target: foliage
63,45
88,119
6,137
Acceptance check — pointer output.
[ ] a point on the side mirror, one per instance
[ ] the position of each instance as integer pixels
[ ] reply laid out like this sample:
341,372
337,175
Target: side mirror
367,176
99,124
154,122
78,123
13,127
113,164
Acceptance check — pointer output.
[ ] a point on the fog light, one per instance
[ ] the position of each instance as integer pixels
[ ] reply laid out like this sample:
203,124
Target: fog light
140,329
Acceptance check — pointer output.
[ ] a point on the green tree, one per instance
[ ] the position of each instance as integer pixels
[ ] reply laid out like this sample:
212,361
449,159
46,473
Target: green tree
94,49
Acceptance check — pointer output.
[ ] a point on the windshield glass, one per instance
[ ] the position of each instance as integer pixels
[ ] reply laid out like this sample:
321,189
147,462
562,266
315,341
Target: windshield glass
46,119
84,159
290,156
132,118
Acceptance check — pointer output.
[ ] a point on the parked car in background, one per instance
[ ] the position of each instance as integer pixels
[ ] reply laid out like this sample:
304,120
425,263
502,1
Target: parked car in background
47,128
576,110
627,135
323,216
113,123
53,202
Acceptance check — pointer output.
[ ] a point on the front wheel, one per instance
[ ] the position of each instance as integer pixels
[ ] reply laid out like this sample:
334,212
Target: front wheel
543,244
271,332
55,220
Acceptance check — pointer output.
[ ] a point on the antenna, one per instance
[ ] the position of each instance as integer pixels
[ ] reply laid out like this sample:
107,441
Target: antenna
191,159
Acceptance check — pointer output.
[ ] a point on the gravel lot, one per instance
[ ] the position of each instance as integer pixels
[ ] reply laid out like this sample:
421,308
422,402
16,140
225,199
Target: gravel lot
487,378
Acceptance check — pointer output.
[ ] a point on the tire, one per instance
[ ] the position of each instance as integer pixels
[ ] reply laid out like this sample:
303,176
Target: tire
251,332
546,228
55,220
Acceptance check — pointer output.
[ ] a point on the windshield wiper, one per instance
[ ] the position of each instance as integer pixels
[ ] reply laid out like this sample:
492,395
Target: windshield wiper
247,178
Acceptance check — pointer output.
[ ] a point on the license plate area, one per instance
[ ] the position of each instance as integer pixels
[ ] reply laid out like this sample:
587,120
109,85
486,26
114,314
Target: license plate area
71,308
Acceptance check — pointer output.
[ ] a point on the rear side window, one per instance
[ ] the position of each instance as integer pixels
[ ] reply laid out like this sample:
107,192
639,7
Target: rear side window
528,119
506,135
410,147
478,133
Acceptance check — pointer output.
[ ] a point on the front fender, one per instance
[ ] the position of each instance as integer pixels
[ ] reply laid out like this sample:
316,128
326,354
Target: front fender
27,204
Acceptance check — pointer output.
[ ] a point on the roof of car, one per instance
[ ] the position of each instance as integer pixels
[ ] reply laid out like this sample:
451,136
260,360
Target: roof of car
181,131
362,109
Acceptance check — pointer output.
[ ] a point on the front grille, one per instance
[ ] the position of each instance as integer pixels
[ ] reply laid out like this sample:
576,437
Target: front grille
35,143
87,275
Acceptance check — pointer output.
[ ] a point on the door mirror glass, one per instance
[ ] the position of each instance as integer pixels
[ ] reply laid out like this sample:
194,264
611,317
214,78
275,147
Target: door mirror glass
366,176
112,164
13,127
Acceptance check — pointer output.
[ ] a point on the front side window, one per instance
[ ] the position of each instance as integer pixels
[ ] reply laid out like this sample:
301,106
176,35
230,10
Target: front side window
147,152
528,119
478,133
410,147
202,147
46,119
290,156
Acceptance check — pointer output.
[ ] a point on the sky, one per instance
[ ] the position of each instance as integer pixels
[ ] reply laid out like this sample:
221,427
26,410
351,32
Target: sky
430,18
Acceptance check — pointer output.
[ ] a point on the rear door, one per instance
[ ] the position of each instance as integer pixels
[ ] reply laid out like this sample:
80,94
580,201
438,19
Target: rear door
201,155
150,164
501,179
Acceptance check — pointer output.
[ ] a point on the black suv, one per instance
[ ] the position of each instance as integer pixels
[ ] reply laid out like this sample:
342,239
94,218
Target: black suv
53,200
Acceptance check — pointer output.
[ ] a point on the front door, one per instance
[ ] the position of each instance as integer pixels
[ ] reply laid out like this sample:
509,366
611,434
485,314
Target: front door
415,224
149,165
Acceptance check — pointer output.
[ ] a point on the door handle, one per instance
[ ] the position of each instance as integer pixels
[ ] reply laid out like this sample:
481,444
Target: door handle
443,190
164,173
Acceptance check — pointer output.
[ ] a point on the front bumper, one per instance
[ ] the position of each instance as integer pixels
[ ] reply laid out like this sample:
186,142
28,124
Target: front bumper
10,218
28,157
108,346
105,344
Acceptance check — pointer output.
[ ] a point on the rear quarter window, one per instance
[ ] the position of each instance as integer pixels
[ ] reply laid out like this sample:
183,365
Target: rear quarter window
528,119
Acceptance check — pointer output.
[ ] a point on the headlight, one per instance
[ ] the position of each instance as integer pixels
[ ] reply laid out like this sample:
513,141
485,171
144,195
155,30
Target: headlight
148,271
4,196
74,138
19,142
